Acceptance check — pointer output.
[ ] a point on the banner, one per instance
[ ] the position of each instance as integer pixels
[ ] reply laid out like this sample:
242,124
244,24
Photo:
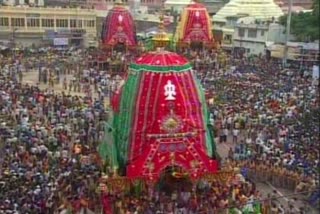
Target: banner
315,72
60,41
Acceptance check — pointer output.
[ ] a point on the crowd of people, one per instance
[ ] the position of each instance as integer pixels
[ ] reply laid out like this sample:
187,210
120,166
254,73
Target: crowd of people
48,145
49,139
275,113
233,195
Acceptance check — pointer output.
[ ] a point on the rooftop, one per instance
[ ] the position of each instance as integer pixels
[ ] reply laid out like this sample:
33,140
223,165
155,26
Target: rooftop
254,8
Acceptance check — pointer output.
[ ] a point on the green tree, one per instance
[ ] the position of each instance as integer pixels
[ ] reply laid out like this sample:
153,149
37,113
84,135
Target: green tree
304,26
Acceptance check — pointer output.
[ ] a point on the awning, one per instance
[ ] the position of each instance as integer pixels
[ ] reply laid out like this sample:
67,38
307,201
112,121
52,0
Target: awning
2,47
269,44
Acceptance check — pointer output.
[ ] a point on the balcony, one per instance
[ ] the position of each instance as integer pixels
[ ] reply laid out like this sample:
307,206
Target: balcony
252,26
18,11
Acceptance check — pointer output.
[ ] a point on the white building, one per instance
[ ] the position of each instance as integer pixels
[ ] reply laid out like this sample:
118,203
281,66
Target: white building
227,17
177,5
251,36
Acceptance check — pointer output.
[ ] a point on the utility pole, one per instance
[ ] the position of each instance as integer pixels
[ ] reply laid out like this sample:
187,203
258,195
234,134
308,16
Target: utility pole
14,43
285,59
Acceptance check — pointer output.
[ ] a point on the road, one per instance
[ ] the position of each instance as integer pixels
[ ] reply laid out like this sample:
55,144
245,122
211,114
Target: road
32,79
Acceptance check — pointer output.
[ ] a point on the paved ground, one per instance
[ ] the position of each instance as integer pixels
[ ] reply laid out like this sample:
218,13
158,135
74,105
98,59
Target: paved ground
223,148
32,78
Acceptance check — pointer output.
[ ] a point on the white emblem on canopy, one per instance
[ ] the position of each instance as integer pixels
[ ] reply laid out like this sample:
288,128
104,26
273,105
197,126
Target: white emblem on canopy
120,18
170,91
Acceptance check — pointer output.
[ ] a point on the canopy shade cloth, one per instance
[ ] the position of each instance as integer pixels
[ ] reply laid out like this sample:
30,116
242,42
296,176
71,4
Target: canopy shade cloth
161,119
119,28
195,24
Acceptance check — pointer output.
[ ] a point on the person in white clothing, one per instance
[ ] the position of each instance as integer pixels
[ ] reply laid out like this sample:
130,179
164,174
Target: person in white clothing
235,134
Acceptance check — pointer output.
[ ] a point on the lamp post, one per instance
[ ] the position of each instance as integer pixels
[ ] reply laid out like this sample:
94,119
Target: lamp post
301,57
285,59
14,42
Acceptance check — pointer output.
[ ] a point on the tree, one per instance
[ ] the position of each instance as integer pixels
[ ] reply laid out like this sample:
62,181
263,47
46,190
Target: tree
304,25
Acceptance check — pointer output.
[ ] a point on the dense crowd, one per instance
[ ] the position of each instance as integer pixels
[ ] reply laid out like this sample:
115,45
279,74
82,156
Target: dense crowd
49,139
48,146
234,194
272,115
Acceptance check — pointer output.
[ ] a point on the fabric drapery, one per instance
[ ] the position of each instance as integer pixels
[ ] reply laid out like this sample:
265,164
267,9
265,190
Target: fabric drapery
119,27
195,25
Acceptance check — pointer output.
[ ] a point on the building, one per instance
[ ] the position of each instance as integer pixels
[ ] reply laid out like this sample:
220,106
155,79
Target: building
307,54
306,4
151,4
226,18
294,9
176,5
213,6
91,4
65,3
252,35
27,26
39,3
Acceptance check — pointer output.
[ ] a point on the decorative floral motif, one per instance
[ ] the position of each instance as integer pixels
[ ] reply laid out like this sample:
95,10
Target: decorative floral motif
171,123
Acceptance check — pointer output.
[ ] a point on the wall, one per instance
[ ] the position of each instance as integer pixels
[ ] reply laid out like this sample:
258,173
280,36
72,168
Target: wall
273,32
276,33
152,4
307,4
36,32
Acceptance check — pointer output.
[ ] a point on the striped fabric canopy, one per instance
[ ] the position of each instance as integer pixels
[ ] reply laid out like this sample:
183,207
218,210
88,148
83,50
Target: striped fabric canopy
119,28
195,24
161,119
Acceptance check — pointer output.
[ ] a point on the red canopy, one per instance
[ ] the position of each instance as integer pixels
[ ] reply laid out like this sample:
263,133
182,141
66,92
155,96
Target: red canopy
119,28
162,58
195,25
168,121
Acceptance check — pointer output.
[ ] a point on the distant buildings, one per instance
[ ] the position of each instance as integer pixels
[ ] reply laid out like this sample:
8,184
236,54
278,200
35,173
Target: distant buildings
176,5
91,4
79,3
39,3
152,4
226,18
28,26
307,54
251,35
213,6
306,4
